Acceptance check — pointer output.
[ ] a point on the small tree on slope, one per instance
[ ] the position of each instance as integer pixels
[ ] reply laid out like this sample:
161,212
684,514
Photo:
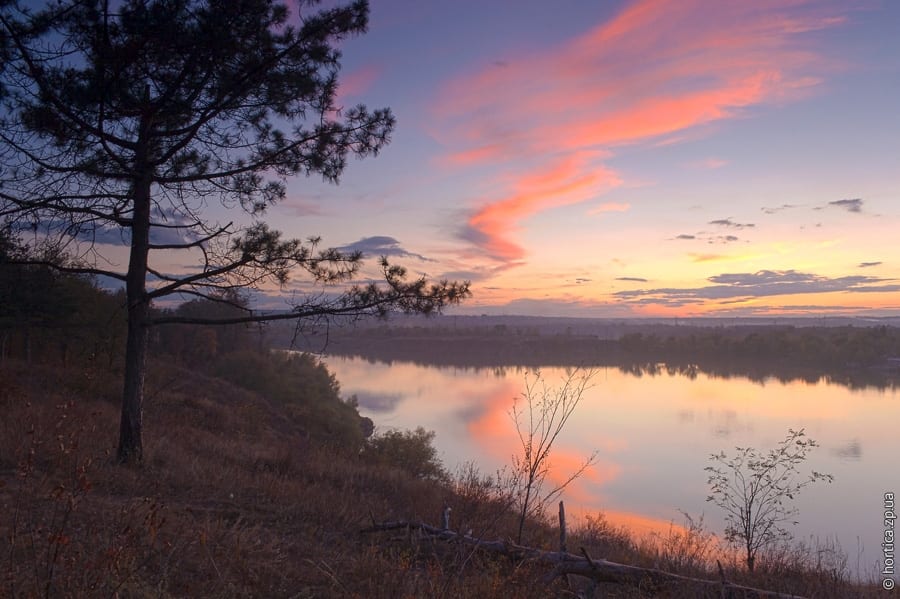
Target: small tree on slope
755,490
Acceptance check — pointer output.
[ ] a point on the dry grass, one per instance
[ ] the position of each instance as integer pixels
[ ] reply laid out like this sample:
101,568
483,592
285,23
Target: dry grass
235,500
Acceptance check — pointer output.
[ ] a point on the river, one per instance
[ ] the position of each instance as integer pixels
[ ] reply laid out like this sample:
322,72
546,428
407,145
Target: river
653,435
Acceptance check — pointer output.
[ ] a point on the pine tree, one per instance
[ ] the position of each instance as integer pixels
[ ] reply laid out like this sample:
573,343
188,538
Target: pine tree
126,120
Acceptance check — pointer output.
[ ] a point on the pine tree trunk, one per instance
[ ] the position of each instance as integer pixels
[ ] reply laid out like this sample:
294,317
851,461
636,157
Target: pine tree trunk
28,345
131,448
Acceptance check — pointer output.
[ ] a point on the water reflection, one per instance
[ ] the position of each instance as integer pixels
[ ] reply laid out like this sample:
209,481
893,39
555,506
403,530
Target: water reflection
852,450
654,428
377,403
806,355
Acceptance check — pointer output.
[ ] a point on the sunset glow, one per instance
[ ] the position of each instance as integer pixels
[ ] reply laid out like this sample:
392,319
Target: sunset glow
639,158
652,434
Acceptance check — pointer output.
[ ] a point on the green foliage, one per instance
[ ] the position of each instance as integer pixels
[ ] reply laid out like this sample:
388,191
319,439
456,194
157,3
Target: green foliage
303,385
755,488
49,315
30,294
410,451
199,345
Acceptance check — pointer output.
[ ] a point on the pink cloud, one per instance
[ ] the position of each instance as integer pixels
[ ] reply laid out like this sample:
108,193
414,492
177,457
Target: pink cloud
610,207
485,153
656,72
566,181
709,163
355,84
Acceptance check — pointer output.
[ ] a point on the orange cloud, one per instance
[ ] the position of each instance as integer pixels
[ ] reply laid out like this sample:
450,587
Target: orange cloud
610,207
708,257
654,73
567,181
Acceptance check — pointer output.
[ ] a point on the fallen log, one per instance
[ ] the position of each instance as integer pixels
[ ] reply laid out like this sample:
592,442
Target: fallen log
600,570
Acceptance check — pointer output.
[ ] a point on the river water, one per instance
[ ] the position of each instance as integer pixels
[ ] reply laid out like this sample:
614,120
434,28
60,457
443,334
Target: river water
653,435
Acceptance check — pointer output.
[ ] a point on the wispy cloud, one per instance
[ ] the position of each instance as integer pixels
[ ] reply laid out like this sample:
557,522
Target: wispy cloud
708,257
657,70
850,205
300,208
634,279
381,245
708,238
610,207
566,181
709,163
356,83
778,209
727,222
475,274
869,264
763,283
879,288
167,228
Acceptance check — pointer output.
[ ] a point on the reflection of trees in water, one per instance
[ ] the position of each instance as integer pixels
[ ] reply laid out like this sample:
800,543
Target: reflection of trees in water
761,373
855,357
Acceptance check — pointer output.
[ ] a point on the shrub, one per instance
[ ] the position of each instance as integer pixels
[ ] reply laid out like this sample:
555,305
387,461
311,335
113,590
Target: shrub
302,384
410,451
755,489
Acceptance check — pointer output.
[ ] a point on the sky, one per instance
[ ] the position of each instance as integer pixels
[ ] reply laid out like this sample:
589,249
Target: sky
647,158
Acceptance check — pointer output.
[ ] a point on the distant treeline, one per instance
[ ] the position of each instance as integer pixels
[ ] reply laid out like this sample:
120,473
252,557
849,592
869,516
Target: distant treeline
853,356
67,321
51,317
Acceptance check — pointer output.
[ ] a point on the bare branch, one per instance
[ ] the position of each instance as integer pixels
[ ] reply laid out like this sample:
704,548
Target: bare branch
75,270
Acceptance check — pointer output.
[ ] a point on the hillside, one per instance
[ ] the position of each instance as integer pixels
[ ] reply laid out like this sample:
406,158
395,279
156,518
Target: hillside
240,497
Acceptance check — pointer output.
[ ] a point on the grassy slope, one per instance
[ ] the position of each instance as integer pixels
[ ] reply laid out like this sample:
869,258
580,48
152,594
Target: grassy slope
235,500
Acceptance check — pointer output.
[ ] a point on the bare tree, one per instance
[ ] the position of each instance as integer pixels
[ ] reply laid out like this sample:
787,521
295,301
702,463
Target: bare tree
755,488
540,417
125,121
